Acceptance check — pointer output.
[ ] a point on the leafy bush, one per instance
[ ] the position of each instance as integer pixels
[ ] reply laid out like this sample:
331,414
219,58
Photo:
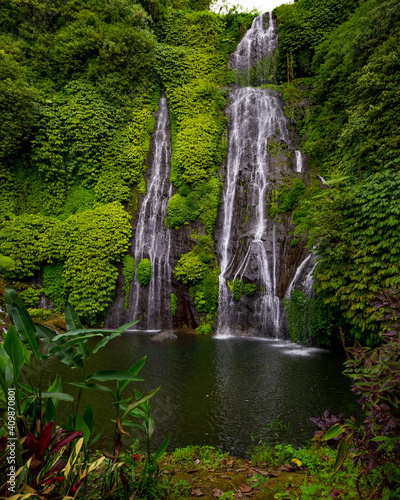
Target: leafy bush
40,452
129,273
174,305
309,319
144,272
54,285
6,264
31,296
375,373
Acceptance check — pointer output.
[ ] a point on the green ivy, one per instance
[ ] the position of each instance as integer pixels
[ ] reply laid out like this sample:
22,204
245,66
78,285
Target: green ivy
129,273
310,320
31,296
144,272
174,305
54,285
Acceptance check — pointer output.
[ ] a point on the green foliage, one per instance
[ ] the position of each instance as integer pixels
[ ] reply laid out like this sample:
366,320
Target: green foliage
41,315
310,320
87,243
129,273
190,268
54,285
37,410
25,239
192,62
238,288
174,305
124,161
302,26
31,296
200,202
6,264
200,270
284,199
353,229
294,243
144,272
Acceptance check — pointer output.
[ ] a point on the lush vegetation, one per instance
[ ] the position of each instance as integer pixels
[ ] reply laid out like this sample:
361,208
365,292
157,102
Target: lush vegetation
79,85
352,140
50,455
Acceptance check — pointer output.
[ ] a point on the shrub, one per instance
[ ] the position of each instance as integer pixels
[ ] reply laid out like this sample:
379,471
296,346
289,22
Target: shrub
144,272
174,305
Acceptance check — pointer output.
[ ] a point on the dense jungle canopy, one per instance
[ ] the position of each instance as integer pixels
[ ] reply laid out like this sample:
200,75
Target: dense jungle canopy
79,86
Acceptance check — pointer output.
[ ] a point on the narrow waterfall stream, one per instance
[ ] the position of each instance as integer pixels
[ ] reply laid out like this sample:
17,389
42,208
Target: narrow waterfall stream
153,239
247,244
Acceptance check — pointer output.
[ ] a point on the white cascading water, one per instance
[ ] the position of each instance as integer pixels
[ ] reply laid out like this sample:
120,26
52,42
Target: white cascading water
299,161
153,239
255,115
258,41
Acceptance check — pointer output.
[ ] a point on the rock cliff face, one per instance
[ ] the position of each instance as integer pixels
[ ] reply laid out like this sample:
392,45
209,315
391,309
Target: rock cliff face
161,245
259,261
253,247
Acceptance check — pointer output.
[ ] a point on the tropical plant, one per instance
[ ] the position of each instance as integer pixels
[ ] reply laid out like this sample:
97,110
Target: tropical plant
375,374
46,464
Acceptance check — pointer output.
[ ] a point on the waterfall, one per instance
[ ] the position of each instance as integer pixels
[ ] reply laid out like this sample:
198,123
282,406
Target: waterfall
299,161
258,43
303,276
247,244
153,239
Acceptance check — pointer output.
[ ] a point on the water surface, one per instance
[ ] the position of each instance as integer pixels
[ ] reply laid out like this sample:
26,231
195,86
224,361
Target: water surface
225,392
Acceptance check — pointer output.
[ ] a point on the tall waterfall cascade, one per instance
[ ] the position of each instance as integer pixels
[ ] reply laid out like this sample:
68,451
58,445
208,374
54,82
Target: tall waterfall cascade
251,246
153,239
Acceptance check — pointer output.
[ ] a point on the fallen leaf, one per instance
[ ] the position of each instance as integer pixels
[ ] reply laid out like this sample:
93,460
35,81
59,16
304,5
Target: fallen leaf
192,471
197,461
230,463
335,493
217,493
196,492
245,488
288,468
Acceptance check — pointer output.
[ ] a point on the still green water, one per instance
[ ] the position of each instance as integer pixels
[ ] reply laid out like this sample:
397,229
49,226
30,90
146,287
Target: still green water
223,392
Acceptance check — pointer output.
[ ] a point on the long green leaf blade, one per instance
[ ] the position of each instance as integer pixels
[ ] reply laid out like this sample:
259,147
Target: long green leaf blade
71,318
140,401
105,375
15,350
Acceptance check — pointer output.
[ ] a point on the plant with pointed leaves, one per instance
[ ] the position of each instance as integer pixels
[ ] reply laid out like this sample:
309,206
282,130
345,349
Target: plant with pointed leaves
376,379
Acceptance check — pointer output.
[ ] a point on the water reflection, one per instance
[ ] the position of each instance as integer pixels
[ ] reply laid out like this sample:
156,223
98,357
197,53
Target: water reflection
223,392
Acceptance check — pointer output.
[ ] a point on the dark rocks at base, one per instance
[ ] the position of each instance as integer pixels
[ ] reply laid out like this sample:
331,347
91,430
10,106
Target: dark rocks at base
164,335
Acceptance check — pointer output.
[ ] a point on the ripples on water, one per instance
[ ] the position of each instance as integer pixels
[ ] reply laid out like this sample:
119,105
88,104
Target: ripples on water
225,392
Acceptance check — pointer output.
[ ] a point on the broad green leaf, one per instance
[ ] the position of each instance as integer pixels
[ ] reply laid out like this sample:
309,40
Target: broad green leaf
62,396
15,350
71,318
67,355
342,451
135,369
12,298
334,431
50,412
9,371
80,331
139,401
161,450
88,417
104,375
96,387
82,426
26,328
105,341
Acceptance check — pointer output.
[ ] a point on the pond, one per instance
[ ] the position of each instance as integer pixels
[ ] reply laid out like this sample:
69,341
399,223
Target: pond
224,392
